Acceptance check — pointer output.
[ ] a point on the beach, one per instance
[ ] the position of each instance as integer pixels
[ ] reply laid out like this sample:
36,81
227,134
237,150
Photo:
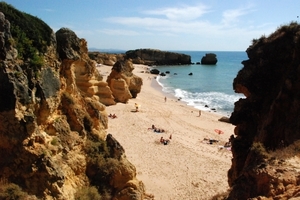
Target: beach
188,167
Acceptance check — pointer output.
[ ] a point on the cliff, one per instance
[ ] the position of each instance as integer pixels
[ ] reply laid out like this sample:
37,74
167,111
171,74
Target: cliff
157,57
53,140
266,144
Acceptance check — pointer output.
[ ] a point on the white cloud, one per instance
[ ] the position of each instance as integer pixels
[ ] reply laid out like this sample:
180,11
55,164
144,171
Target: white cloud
181,13
161,25
230,17
169,21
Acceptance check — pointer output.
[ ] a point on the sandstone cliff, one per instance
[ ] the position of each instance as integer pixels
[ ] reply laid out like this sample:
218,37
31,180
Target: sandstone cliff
157,57
123,83
53,143
267,119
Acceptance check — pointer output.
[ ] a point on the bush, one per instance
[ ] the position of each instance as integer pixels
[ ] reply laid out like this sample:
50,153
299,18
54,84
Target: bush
30,34
11,191
100,166
87,193
259,150
55,141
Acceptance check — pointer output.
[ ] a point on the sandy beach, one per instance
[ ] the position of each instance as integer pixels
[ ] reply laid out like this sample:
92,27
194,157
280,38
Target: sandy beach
188,167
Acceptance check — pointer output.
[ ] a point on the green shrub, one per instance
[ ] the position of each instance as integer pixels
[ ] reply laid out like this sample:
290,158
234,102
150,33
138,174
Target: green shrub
87,193
100,166
11,191
54,141
30,34
259,150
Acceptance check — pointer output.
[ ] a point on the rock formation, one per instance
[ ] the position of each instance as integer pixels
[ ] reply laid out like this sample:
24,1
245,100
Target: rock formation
81,69
157,57
123,83
53,141
267,119
209,59
106,58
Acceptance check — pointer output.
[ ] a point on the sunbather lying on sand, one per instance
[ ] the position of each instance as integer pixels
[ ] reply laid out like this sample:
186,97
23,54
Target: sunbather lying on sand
164,141
157,130
210,141
112,116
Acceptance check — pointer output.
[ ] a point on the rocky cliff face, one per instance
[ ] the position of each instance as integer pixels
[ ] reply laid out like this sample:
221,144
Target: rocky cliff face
157,57
53,143
123,83
267,119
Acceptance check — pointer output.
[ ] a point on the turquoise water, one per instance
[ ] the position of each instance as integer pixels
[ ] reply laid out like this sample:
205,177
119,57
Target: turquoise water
210,86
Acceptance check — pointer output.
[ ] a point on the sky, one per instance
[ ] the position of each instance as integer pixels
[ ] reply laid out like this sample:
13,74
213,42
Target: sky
195,25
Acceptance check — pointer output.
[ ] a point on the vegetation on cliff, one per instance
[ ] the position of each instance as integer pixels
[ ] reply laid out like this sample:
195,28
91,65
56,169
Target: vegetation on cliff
31,36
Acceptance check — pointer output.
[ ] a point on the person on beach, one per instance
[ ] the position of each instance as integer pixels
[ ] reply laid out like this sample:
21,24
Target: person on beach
165,99
136,107
199,113
164,141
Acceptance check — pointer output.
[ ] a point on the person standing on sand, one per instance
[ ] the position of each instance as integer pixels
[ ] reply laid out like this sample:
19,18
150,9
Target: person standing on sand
165,99
136,107
199,113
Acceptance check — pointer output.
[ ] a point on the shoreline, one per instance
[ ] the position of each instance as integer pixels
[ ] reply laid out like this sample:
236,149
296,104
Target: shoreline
159,87
188,167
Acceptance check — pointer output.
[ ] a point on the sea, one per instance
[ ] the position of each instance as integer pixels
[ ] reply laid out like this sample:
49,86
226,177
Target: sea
210,87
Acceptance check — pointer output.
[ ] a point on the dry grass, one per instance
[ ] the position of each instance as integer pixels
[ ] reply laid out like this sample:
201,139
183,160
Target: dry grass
291,151
12,191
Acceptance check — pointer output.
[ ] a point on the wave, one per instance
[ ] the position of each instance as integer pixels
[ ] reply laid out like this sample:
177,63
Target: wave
218,102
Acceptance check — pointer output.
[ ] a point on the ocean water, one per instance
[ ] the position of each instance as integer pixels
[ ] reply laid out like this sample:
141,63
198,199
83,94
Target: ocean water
210,87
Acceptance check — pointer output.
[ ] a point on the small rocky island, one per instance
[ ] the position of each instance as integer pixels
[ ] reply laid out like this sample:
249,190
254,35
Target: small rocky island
157,57
209,59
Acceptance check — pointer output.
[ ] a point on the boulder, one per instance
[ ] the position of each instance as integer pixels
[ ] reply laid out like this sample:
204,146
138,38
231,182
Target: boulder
154,71
123,83
209,59
68,44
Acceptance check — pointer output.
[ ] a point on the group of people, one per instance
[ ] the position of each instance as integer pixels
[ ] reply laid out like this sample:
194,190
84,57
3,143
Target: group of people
210,141
165,141
157,130
113,116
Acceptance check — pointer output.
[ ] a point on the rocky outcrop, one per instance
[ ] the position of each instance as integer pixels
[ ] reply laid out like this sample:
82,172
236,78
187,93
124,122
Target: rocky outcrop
123,83
81,68
53,140
106,58
157,57
209,59
267,119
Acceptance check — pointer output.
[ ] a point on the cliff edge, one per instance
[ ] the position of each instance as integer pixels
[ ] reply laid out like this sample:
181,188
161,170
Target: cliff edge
53,140
266,146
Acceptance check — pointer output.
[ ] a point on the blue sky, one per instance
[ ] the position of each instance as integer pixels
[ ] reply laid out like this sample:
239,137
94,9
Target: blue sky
213,25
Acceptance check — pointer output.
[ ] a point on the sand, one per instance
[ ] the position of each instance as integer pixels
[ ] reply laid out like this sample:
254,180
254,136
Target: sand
188,167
